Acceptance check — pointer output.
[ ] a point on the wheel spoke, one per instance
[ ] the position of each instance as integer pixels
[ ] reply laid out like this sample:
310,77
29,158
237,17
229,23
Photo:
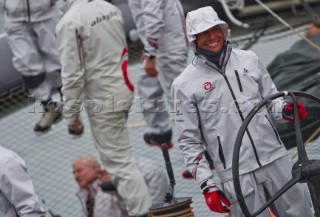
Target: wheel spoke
301,171
291,183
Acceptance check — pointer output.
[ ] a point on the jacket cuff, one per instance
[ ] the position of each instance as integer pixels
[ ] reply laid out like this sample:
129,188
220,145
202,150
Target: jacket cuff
205,184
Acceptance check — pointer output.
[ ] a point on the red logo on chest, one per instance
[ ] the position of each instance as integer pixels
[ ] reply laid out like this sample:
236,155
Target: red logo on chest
207,85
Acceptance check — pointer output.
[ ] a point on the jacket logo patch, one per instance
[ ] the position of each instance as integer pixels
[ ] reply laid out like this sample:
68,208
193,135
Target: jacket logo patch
207,85
245,71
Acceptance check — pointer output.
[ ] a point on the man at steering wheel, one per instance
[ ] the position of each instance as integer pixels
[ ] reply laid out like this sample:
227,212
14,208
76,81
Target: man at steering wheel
213,95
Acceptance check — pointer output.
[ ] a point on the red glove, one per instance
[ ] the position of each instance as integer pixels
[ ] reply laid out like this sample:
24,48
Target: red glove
215,199
287,112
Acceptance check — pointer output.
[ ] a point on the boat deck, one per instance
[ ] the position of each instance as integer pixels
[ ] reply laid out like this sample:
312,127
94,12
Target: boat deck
49,157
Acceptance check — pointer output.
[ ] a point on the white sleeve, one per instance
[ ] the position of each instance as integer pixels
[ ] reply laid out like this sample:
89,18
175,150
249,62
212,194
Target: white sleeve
153,17
267,88
149,17
17,187
189,135
72,73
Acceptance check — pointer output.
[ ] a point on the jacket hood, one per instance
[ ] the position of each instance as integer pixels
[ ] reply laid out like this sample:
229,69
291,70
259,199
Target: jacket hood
202,19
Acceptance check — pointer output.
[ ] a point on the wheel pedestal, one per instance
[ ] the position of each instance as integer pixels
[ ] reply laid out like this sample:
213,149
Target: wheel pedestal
177,207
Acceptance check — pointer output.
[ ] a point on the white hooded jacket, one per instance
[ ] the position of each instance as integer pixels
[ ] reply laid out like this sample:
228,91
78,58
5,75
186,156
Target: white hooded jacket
94,58
212,101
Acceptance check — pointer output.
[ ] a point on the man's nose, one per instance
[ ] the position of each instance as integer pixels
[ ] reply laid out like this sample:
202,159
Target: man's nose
76,176
212,34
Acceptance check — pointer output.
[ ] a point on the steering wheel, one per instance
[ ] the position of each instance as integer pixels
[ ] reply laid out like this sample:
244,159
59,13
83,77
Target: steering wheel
303,171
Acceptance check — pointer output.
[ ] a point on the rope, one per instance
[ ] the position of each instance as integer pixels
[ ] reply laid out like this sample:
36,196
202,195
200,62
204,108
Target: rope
314,134
267,35
311,43
256,36
235,4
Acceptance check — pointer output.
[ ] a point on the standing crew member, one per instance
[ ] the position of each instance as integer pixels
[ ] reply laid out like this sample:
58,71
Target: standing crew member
94,58
161,28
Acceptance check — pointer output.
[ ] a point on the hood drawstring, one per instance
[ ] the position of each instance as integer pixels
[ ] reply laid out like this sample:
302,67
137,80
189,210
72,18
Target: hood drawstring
195,59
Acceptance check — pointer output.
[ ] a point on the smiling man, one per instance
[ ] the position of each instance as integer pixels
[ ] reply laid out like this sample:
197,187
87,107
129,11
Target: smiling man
213,95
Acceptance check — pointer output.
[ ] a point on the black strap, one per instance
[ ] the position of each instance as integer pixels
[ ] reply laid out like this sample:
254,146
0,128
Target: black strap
90,206
32,82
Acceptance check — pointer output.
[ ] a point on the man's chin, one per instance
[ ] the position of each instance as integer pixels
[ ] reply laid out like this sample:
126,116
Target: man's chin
83,185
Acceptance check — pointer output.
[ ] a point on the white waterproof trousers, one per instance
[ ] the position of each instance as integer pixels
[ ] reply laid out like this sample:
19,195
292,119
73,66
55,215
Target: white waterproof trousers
154,92
111,138
160,25
35,52
295,202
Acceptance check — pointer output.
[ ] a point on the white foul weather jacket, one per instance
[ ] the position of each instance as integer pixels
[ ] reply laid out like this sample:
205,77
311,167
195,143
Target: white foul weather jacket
17,195
211,104
29,10
94,57
105,204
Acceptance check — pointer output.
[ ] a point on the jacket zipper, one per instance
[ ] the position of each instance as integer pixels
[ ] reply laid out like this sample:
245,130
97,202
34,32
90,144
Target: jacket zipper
222,70
221,155
242,118
79,47
28,11
275,131
239,81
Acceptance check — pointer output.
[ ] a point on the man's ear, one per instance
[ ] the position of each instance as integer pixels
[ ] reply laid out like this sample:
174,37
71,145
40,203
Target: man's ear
104,176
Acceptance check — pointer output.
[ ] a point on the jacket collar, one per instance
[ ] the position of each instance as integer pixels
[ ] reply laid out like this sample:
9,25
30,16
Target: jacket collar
225,55
94,187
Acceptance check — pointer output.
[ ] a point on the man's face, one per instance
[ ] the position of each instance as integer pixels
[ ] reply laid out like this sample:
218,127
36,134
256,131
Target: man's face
211,39
84,174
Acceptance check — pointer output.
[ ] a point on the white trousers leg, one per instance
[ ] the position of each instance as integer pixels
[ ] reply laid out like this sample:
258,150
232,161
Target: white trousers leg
153,103
111,138
44,90
295,202
154,92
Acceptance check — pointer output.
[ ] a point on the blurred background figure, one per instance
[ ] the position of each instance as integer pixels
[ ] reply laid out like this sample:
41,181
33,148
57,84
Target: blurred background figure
30,27
17,194
99,197
312,30
94,202
161,28
94,57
